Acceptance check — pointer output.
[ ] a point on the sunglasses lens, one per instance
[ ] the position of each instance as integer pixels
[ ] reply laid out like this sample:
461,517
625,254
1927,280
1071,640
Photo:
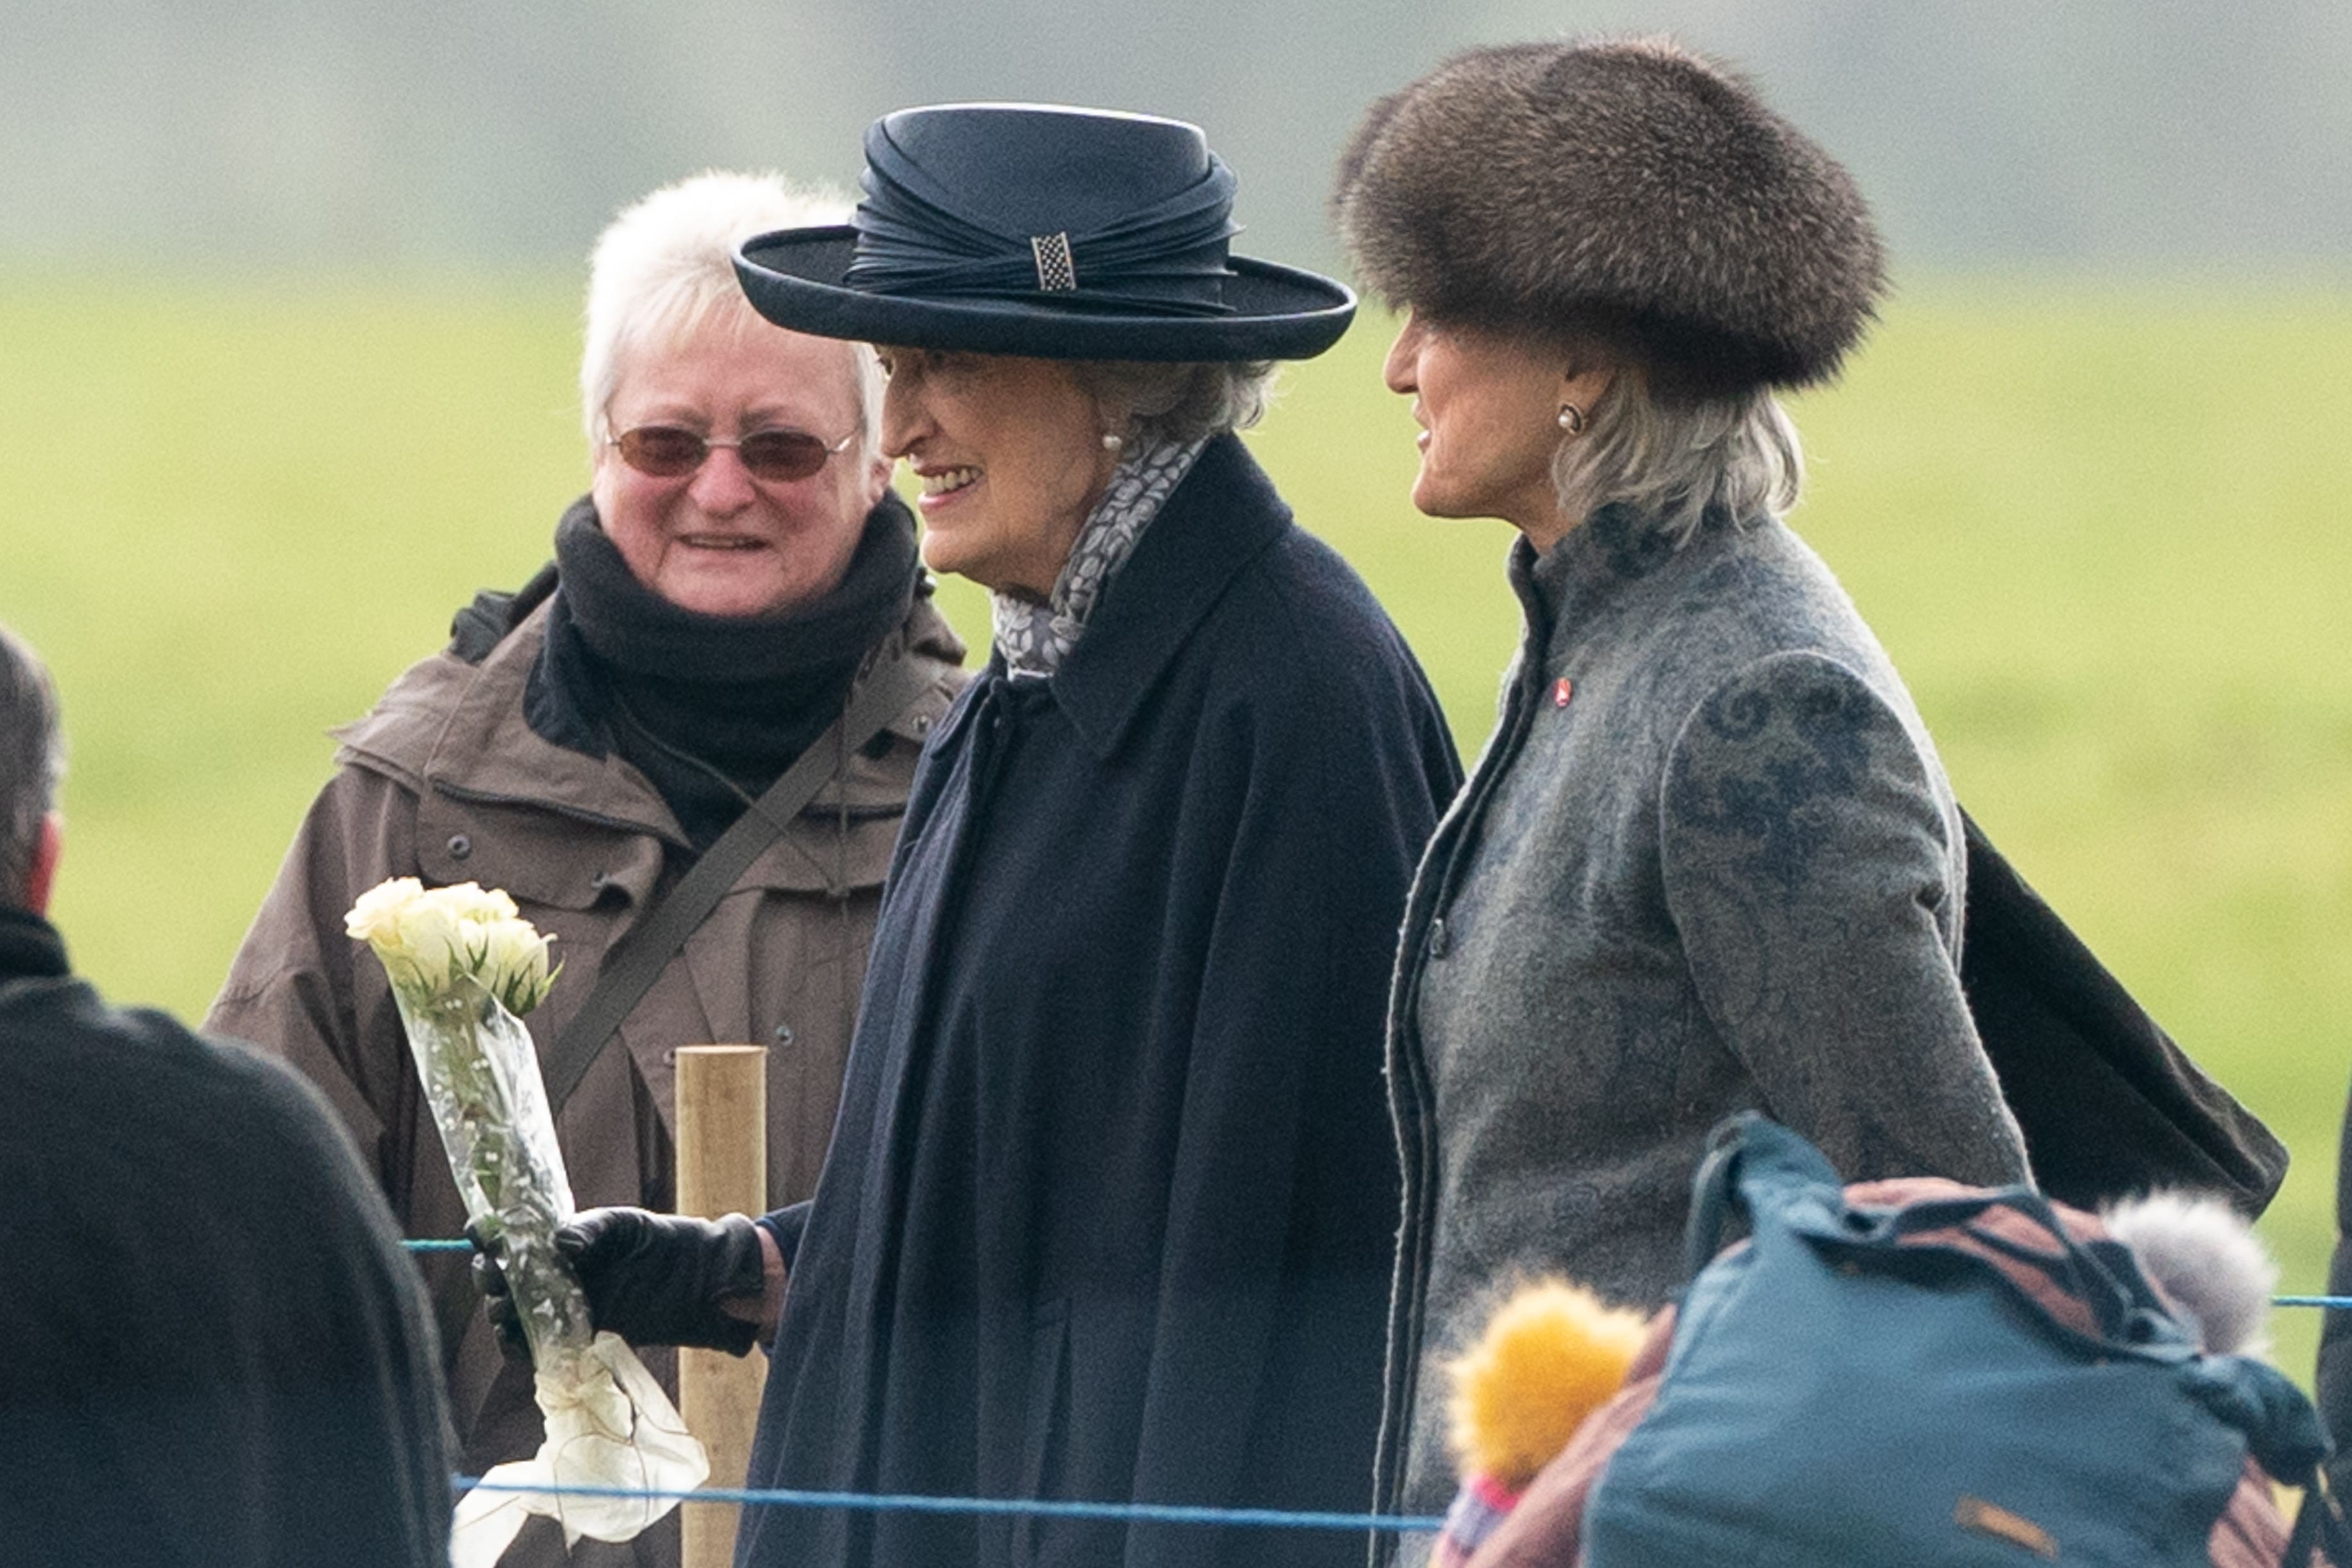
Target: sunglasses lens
663,451
781,454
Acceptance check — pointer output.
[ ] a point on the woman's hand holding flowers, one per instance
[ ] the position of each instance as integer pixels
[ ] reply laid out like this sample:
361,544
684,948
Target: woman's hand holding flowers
653,1278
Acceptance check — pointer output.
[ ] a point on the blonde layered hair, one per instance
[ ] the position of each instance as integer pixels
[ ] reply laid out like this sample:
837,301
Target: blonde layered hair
1677,460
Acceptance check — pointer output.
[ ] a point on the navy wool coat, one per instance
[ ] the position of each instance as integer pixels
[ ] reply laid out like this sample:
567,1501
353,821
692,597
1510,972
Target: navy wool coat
1111,1201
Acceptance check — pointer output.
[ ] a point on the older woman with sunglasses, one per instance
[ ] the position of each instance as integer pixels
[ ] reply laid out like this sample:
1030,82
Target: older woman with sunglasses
735,614
1108,1214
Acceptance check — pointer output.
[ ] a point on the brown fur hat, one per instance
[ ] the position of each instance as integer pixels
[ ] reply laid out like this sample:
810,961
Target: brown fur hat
1624,189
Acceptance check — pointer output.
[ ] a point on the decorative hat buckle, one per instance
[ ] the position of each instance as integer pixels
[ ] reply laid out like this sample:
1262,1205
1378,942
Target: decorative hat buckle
1056,273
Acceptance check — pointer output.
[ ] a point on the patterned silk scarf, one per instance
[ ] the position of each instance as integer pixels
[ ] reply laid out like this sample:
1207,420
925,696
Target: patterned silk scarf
1035,638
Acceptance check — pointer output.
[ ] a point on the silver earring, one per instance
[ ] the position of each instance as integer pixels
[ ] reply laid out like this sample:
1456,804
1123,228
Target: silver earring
1112,442
1571,419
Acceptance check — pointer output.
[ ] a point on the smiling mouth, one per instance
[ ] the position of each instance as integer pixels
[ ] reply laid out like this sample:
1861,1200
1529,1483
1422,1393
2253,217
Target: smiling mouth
722,542
947,481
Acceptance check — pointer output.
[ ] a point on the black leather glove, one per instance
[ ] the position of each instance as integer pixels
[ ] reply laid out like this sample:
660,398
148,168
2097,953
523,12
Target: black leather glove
653,1278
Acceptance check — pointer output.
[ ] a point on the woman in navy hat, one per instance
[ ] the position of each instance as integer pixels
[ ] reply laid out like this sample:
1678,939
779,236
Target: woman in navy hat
1111,1203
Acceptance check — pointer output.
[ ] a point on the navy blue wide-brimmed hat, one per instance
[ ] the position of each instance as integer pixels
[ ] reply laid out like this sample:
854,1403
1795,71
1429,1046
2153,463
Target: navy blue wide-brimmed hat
1038,230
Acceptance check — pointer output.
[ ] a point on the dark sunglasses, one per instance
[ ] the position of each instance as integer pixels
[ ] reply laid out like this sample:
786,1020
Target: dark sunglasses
673,451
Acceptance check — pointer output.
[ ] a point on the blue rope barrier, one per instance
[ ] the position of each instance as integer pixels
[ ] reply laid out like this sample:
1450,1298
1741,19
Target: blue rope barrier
875,1502
1039,1508
2334,1303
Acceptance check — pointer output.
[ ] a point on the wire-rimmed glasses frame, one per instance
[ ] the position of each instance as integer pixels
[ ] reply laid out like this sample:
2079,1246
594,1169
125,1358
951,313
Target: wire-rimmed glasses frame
674,451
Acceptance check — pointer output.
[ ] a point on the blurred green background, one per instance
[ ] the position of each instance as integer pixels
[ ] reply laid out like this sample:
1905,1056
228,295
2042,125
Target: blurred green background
2103,530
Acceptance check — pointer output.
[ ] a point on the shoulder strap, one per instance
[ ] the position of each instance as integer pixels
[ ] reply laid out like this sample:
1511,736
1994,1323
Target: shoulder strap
630,970
1748,1149
2319,1525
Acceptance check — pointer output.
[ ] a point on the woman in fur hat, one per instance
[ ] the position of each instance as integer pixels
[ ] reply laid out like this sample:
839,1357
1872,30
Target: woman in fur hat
1709,861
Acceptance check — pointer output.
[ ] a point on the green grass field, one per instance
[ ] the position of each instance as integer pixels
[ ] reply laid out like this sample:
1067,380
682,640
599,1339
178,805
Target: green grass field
2105,534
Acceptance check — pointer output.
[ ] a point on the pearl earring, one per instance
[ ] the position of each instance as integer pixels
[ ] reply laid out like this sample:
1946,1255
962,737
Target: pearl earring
1571,419
1112,442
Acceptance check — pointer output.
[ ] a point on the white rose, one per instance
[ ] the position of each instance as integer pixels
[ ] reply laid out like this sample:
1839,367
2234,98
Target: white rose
471,901
375,918
427,941
514,964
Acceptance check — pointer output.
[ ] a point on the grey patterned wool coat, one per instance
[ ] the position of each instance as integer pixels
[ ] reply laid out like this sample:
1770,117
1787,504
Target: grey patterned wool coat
1708,863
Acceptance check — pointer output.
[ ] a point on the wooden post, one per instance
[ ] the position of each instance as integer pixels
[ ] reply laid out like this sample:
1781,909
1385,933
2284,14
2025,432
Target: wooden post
722,1168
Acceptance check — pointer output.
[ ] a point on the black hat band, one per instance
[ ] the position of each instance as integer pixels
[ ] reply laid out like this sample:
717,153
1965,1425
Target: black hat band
913,241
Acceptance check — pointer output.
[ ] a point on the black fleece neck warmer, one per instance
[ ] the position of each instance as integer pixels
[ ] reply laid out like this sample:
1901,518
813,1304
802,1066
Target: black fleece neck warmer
710,708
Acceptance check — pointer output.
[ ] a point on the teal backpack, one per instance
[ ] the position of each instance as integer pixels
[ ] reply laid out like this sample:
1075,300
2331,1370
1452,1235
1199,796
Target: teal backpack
1945,1384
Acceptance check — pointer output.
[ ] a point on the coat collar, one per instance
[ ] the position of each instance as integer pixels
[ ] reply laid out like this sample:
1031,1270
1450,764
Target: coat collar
459,729
1219,518
1616,549
1613,548
30,947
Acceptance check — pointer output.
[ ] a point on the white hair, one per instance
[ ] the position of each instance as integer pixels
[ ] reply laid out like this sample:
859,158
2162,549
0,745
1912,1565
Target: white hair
664,270
1677,461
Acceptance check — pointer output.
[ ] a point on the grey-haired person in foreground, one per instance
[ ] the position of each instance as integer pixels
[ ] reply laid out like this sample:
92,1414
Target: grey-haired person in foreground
1709,861
213,1353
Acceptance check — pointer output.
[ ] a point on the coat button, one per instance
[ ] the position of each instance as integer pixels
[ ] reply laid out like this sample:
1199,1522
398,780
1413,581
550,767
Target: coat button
783,1034
923,724
460,846
1437,940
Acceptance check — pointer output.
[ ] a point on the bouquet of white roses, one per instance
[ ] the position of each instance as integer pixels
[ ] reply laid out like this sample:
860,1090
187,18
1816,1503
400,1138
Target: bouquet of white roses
463,966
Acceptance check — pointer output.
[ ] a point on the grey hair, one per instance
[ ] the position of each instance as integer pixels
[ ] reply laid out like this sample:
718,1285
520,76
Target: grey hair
1677,460
665,269
32,760
1178,402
